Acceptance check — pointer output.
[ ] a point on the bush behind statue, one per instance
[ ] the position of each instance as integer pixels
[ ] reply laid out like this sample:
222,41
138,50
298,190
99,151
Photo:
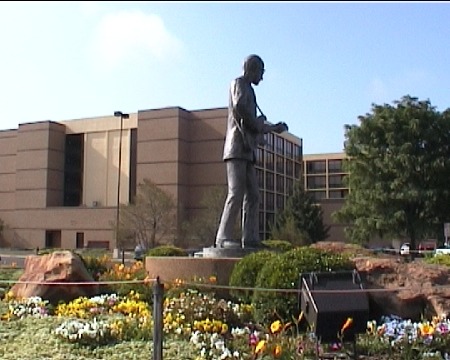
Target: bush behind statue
283,272
278,245
166,250
245,272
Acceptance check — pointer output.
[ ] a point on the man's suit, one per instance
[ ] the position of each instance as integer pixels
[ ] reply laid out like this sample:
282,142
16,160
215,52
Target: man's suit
241,141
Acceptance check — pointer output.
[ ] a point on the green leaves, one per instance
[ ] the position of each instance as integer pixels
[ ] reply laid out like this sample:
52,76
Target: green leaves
399,166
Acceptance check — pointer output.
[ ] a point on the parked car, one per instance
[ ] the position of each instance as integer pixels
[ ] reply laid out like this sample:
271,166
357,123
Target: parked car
427,246
442,251
404,249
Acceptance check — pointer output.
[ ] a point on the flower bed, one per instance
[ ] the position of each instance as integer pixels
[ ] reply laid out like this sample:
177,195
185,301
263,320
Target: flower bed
217,329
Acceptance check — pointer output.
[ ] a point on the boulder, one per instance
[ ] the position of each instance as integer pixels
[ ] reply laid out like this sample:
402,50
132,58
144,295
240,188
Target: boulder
411,290
59,267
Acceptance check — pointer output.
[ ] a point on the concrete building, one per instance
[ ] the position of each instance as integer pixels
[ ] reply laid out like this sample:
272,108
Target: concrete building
60,184
323,176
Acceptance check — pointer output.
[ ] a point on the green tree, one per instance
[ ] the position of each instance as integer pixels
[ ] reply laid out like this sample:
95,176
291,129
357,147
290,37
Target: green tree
398,160
301,221
150,219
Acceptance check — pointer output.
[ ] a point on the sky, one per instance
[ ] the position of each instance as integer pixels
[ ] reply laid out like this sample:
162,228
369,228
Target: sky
326,63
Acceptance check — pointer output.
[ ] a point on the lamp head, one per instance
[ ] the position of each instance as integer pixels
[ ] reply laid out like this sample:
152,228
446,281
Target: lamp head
121,114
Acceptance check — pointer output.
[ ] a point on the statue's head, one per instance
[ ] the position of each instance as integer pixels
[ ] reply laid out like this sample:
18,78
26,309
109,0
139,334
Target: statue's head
254,68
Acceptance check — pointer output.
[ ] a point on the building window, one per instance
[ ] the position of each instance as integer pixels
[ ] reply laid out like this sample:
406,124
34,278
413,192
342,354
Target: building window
260,176
269,161
280,183
289,150
316,182
289,168
80,240
298,170
334,166
269,141
269,181
260,157
280,202
73,169
270,219
289,186
338,194
280,145
280,164
270,201
318,195
261,222
316,167
53,238
298,153
336,181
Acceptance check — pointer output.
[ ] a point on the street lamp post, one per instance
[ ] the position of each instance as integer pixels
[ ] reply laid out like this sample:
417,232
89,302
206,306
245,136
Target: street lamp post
122,116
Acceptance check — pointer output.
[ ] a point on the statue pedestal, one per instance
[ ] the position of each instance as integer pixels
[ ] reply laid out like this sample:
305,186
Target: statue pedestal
227,252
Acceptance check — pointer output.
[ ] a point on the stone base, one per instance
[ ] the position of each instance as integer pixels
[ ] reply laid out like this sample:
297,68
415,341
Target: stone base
227,252
172,268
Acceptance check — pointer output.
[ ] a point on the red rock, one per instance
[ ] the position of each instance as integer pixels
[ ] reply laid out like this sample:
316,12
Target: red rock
411,290
57,267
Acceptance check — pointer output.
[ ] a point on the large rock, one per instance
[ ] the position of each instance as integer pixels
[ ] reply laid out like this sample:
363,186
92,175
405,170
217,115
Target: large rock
59,267
407,289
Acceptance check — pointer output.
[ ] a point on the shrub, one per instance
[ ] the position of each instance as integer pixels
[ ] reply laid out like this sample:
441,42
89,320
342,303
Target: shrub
442,259
245,272
279,245
166,250
96,265
125,279
283,272
9,275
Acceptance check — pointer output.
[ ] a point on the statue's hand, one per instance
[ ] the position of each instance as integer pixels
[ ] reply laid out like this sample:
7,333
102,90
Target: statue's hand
261,118
281,127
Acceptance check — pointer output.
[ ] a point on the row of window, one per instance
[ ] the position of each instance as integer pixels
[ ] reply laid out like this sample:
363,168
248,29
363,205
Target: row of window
278,163
332,194
320,182
282,146
320,166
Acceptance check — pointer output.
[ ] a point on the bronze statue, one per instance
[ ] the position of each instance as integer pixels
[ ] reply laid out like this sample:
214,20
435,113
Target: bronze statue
245,131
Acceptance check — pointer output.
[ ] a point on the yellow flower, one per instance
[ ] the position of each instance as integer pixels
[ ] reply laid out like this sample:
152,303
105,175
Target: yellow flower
300,317
426,329
371,327
286,326
260,347
277,351
347,324
276,327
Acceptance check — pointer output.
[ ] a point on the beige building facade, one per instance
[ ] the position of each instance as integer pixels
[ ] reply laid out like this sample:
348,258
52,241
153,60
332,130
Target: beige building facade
59,180
323,178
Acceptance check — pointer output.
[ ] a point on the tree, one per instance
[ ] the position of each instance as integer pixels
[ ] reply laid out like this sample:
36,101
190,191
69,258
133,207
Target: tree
301,221
204,227
150,218
398,160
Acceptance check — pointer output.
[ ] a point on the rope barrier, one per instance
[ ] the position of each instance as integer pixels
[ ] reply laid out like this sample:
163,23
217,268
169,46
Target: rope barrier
78,283
224,287
297,291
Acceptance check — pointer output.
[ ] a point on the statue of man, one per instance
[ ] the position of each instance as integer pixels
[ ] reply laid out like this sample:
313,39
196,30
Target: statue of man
245,131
